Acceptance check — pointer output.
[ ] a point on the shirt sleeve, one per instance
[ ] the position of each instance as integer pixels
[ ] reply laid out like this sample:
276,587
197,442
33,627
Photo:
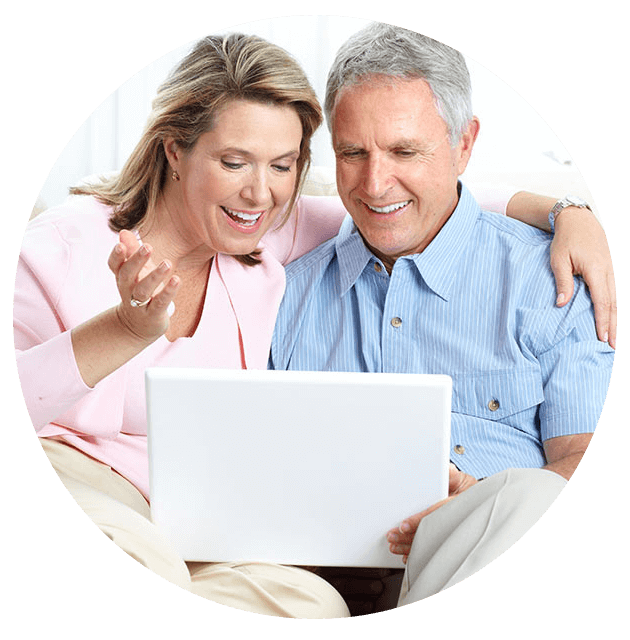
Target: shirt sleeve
50,379
576,369
56,396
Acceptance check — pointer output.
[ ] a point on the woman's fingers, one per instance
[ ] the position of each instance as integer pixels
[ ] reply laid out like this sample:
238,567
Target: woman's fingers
153,283
161,300
129,240
150,287
133,269
117,257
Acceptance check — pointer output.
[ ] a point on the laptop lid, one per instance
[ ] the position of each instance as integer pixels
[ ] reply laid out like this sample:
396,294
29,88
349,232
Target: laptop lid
304,468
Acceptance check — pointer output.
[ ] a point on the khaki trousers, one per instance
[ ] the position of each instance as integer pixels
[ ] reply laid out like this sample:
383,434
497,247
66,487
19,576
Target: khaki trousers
123,515
451,544
474,528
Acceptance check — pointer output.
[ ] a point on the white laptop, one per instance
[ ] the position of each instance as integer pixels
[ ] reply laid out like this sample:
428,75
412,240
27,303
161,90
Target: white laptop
302,468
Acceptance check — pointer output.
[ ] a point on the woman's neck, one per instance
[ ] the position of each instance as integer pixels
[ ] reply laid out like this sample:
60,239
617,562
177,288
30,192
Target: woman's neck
162,229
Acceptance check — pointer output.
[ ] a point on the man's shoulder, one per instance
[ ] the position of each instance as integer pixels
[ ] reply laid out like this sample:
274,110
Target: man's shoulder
304,280
513,230
501,246
310,265
509,244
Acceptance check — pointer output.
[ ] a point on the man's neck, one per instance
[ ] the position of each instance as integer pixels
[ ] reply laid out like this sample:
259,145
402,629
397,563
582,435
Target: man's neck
389,260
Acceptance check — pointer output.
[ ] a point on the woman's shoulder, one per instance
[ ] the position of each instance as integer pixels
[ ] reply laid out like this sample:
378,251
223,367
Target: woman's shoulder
76,215
75,232
315,220
64,253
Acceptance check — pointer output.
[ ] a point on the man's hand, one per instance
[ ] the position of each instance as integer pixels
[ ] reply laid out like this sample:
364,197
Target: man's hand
401,539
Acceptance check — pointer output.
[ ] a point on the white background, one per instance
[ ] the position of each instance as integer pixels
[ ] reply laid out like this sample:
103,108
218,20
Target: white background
518,155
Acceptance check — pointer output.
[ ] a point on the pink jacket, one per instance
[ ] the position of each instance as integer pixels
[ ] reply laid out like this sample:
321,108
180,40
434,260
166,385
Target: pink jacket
63,280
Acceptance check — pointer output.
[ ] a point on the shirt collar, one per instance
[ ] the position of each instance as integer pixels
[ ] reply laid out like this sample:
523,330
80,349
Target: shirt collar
437,264
352,254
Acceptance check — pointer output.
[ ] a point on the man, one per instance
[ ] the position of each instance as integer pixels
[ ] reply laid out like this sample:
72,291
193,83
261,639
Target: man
420,280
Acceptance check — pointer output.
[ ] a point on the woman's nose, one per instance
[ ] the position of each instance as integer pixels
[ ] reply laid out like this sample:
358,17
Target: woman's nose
256,188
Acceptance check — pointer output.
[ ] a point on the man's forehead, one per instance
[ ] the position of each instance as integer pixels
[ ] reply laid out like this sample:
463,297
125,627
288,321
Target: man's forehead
396,110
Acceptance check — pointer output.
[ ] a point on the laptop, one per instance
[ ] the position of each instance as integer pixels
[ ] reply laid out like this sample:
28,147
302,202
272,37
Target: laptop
292,467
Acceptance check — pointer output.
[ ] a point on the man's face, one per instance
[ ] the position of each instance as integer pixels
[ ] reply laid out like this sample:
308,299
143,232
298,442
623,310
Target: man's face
396,170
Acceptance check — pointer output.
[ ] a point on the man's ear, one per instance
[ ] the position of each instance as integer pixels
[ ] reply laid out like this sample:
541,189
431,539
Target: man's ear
466,144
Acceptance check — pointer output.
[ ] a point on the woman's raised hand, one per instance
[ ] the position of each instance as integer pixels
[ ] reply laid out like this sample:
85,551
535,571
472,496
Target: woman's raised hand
109,340
146,290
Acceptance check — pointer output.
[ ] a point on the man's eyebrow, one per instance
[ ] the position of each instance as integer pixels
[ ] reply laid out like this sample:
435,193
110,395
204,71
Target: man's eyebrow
403,143
419,148
348,147
408,143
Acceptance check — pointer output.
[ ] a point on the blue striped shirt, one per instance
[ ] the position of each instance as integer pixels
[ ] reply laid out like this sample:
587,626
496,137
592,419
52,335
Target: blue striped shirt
477,304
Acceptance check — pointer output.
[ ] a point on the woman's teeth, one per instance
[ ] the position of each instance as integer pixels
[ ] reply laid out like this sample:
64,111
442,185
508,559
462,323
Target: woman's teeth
389,208
242,217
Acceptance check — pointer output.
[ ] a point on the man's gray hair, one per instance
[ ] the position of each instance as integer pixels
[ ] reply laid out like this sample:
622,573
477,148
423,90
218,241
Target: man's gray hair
386,50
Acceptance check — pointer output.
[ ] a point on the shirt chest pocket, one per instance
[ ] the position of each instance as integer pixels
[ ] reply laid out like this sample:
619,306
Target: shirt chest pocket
498,394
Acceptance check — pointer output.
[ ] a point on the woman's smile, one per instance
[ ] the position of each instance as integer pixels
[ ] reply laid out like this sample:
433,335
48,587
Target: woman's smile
245,221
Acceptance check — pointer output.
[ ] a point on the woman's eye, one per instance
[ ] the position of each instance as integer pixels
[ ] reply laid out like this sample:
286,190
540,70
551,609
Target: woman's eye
282,168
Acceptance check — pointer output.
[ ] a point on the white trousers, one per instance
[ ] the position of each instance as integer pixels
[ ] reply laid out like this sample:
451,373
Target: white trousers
474,528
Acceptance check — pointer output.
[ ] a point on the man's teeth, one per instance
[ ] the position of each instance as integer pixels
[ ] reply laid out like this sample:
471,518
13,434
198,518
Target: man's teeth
389,208
248,219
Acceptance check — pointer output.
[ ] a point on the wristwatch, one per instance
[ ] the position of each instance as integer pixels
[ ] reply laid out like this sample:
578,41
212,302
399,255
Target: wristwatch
562,204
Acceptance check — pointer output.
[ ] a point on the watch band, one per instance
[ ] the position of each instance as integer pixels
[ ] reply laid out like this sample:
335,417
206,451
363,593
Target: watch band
562,204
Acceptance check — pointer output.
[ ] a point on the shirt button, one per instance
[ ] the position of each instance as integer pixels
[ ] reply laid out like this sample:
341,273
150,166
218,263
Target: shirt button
396,322
493,405
458,448
377,267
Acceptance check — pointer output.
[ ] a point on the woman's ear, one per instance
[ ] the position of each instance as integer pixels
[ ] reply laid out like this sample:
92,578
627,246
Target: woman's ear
172,152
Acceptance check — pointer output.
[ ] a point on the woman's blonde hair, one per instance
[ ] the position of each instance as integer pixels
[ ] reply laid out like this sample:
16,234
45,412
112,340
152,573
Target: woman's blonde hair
219,69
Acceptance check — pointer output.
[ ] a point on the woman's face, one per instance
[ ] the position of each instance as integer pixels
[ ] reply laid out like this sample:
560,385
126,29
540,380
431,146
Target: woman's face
238,177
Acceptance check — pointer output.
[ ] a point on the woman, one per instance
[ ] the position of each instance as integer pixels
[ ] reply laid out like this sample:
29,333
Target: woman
197,280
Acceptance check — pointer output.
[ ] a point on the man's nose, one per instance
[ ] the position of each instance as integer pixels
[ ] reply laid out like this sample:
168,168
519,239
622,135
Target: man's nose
377,177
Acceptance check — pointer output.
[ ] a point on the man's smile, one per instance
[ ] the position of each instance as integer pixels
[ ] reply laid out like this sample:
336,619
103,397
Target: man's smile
390,208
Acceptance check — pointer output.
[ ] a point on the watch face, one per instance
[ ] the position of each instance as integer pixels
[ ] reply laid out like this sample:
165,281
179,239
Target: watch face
578,202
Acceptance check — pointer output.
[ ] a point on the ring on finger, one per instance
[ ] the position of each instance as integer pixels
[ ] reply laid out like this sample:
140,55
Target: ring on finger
139,303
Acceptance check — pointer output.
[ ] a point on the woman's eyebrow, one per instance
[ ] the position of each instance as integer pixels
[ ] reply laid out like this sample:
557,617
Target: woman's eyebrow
289,154
294,153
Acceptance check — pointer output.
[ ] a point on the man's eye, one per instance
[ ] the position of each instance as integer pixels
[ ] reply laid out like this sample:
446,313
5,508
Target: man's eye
231,165
351,155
